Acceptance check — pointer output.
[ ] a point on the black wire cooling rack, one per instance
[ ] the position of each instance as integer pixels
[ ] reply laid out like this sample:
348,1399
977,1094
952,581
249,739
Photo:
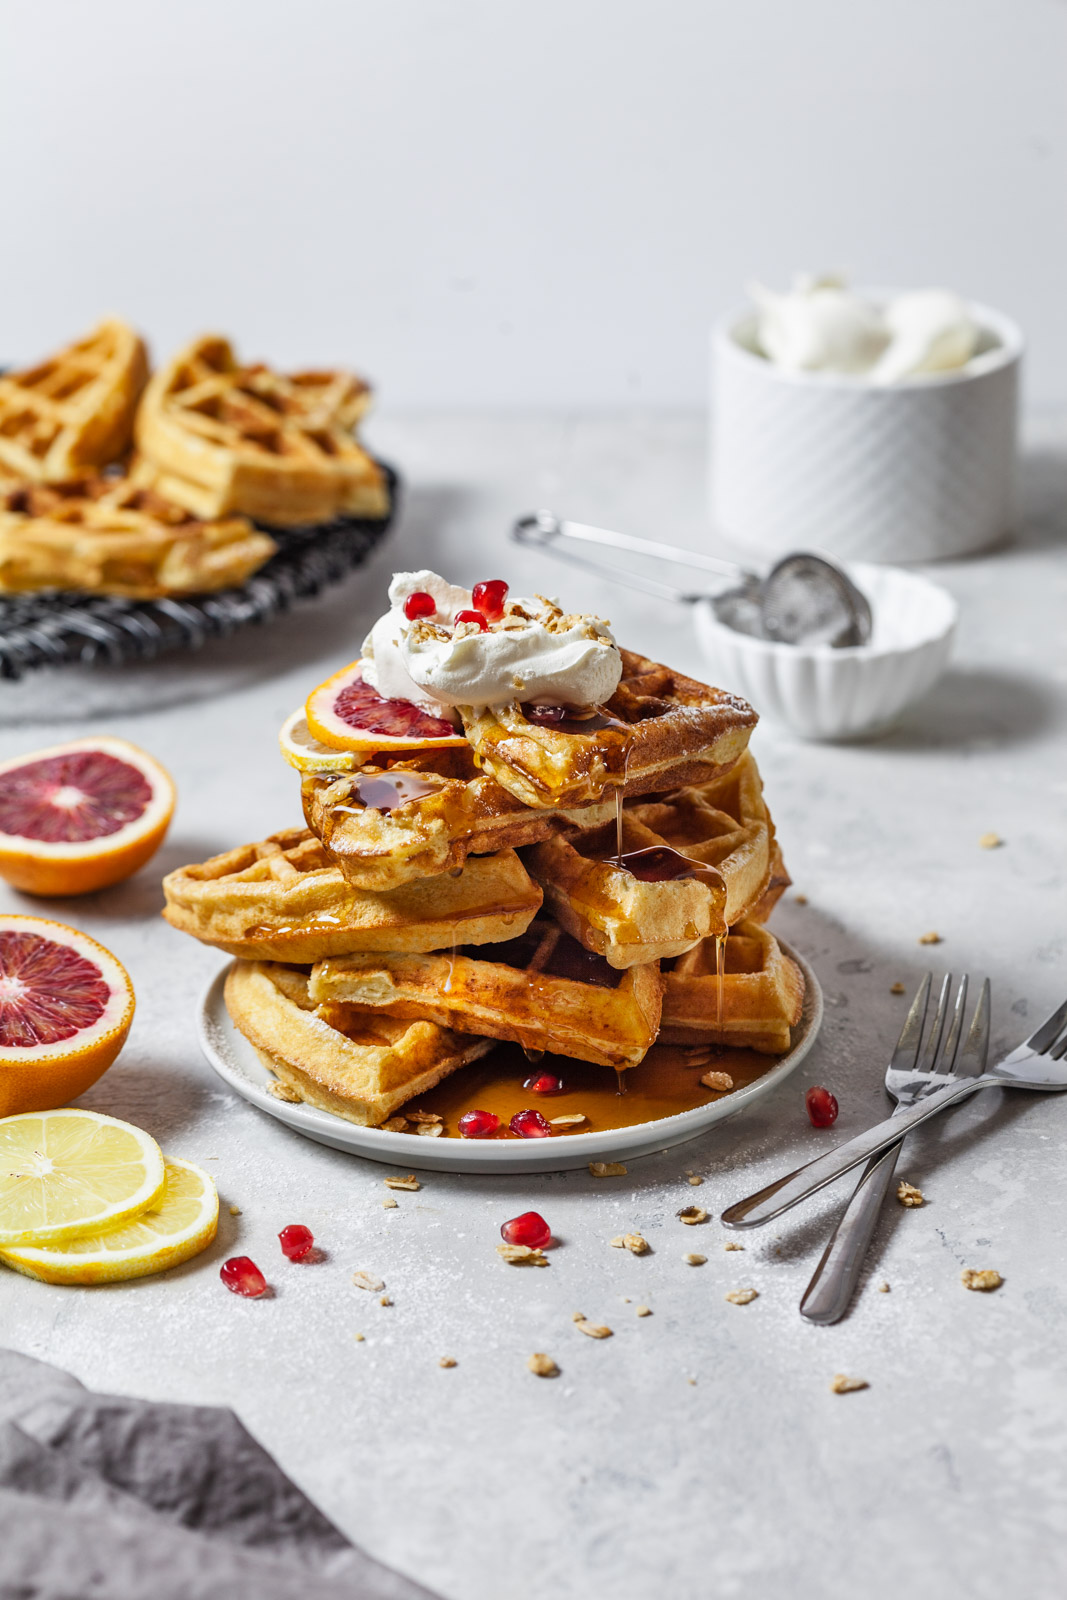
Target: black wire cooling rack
66,628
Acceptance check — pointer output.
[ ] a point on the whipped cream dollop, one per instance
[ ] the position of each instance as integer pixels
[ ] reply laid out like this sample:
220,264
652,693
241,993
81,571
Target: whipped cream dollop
821,325
535,653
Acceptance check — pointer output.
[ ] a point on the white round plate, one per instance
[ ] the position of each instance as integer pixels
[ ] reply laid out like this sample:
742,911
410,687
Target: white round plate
235,1061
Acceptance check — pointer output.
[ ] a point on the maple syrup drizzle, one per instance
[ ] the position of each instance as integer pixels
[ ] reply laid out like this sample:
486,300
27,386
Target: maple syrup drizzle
388,791
720,983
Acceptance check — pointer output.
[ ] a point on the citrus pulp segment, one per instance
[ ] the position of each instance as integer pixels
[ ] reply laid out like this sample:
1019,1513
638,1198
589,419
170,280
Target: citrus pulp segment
177,1226
64,1173
347,714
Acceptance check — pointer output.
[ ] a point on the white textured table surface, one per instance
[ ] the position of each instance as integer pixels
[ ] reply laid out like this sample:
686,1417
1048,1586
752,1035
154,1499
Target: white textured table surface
700,1451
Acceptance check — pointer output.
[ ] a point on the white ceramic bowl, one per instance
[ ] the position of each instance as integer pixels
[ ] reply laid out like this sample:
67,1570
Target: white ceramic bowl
823,693
916,471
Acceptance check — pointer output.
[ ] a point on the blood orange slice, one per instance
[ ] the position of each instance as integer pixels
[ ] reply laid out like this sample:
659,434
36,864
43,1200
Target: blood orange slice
80,816
66,1006
347,714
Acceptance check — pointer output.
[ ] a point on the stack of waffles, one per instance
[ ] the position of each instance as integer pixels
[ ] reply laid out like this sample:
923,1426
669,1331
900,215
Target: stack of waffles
592,882
115,482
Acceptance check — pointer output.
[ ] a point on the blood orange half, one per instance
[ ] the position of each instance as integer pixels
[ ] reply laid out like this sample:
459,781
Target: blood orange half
66,1006
347,714
81,816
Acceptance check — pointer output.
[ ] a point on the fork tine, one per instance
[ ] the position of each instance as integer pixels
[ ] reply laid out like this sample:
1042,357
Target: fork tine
906,1054
1059,1050
946,1056
1043,1036
972,1058
933,1043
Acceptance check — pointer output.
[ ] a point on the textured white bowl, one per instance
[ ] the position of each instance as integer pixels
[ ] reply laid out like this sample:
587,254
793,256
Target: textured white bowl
822,693
916,471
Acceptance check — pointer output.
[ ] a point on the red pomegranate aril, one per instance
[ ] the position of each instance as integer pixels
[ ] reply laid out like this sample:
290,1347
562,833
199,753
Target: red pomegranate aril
822,1107
296,1241
418,605
530,1124
544,1083
472,616
544,715
489,598
478,1124
241,1275
530,1229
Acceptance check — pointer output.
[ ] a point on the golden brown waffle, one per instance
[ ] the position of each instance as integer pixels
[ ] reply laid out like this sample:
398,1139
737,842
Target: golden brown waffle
285,900
660,729
724,825
75,410
541,990
336,1057
218,437
763,994
106,536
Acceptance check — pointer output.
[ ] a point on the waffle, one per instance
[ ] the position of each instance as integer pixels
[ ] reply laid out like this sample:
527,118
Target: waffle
724,825
218,437
106,536
284,900
337,1057
660,729
451,811
763,994
541,990
75,410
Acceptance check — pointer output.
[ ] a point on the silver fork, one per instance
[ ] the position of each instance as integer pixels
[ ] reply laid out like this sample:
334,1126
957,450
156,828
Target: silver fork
1037,1064
834,1280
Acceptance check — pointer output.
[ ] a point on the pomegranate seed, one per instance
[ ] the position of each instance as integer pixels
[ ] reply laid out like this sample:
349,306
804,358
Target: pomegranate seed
530,1229
489,598
241,1275
544,715
545,1083
419,604
478,1124
296,1241
530,1125
473,616
822,1107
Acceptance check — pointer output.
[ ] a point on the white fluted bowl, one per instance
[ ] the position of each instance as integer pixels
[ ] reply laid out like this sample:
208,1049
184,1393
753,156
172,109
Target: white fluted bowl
826,694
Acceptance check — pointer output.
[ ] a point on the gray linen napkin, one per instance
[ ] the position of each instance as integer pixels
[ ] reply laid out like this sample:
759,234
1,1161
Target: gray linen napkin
113,1498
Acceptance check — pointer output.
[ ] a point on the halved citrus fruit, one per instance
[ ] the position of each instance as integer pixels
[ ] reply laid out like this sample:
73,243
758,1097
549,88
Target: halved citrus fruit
65,1173
66,1006
81,816
175,1227
347,714
307,754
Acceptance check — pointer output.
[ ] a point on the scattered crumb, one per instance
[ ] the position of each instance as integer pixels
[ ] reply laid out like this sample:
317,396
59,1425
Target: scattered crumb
695,1179
644,1311
883,1288
430,1130
626,1299
839,1384
695,1260
521,1255
607,1169
990,841
282,1091
732,1244
358,1337
389,1204
908,1195
742,1297
367,1280
410,1182
542,1366
395,1125
717,1080
446,1361
801,899
897,988
930,938
636,1244
984,1278
692,1215
385,1301
618,1242
577,1316
692,1382
571,1120
594,1330
424,1116
235,1211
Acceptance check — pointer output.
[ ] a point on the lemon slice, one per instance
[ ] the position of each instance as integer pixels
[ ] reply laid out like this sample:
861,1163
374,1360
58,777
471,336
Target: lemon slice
176,1227
307,754
65,1173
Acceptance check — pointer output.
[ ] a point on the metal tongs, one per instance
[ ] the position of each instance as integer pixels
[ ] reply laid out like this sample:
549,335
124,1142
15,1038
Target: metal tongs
804,599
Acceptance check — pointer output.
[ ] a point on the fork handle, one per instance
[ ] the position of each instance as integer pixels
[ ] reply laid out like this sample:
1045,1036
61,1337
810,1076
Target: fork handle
827,1297
807,1180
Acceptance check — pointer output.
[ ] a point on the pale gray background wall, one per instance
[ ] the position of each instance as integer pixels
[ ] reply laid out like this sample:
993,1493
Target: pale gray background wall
516,203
